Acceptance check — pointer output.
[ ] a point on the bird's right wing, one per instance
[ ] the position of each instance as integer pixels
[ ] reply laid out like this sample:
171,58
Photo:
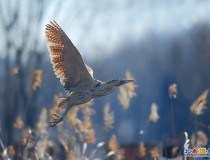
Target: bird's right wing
66,59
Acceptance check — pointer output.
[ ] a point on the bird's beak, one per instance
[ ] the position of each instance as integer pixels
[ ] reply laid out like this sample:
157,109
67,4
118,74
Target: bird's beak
122,82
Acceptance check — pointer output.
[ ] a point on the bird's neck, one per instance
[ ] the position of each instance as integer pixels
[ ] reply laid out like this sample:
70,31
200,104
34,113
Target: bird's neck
102,90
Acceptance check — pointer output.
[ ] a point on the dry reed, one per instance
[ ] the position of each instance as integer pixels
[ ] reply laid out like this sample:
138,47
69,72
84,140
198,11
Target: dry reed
172,90
154,153
127,92
153,117
199,105
14,71
141,150
18,124
108,117
37,79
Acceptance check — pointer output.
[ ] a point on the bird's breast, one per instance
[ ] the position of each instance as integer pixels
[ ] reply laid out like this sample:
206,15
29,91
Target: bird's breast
99,92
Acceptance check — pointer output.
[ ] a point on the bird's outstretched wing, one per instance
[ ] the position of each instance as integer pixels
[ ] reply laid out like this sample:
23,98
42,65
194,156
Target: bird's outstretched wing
66,59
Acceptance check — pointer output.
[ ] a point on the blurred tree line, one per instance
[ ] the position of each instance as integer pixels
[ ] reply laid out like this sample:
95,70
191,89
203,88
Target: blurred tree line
22,52
156,61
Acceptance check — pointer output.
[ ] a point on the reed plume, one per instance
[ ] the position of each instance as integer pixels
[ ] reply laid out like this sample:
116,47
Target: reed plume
172,90
127,92
108,117
154,153
141,150
11,151
199,139
89,133
42,144
14,71
37,79
18,124
198,106
153,117
174,150
72,118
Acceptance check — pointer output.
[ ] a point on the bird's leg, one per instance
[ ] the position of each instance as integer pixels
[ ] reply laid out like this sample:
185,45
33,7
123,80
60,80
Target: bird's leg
72,97
57,119
63,103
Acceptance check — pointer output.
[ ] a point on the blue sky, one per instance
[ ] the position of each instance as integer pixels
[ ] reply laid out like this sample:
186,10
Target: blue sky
101,27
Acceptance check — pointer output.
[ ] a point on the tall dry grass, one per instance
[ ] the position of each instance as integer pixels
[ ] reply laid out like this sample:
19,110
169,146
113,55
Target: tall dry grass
77,137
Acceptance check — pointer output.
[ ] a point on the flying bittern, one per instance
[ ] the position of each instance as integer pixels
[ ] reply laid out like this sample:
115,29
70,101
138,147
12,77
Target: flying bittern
75,76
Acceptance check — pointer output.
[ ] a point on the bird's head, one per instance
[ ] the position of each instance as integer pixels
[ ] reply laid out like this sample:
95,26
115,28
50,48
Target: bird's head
118,82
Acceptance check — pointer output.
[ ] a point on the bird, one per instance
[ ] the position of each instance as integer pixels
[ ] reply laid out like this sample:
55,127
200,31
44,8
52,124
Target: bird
75,76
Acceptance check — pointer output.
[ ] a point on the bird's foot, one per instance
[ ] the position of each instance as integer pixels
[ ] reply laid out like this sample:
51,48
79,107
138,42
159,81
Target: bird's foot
55,120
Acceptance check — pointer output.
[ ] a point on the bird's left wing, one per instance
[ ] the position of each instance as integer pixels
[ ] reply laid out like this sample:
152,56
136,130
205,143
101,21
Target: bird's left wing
66,59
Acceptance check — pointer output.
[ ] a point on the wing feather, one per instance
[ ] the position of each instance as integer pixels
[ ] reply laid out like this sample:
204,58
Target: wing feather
66,59
89,70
